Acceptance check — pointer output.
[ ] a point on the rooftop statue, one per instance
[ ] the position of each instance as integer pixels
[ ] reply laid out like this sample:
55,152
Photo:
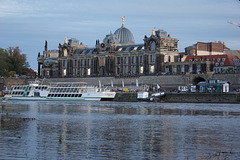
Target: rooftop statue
153,31
123,20
66,38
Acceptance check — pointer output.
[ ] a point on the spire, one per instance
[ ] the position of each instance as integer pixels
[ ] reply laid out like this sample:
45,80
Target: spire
123,21
46,47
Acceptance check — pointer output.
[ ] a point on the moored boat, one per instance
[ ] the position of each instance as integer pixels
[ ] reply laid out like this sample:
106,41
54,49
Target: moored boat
60,91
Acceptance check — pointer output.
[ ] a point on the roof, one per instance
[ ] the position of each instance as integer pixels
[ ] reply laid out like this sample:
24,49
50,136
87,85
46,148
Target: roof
124,36
218,60
49,60
84,51
130,48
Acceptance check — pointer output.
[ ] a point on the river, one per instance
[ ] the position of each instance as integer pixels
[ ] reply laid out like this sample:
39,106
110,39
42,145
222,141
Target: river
116,130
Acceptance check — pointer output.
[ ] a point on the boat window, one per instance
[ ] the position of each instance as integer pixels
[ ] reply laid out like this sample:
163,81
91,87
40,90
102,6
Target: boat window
62,95
69,95
65,95
59,95
79,95
76,95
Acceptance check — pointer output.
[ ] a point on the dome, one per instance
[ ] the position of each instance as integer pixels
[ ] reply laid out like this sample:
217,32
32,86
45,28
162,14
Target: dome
124,36
111,38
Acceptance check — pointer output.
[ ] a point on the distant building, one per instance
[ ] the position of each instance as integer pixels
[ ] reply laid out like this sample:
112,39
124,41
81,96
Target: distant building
210,48
214,86
204,64
30,73
48,62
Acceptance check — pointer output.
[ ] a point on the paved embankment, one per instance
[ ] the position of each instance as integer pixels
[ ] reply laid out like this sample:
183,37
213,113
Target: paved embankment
186,97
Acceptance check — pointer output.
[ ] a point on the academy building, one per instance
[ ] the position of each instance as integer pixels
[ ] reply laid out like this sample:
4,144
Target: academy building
117,55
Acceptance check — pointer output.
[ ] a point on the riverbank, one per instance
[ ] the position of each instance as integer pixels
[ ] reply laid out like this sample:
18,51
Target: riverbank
185,98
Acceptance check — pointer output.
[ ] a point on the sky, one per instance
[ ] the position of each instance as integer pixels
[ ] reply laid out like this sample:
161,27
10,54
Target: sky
28,23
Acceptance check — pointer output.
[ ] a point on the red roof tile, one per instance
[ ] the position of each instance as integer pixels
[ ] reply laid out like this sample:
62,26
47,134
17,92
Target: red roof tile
219,60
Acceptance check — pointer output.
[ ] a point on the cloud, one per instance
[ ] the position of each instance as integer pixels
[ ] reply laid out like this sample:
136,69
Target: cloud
28,23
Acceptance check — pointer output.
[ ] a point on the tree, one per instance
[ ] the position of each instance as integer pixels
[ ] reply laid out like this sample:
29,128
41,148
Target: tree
11,59
4,67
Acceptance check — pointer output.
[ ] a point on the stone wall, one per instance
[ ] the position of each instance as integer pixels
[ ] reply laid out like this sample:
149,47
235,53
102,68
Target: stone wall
16,81
185,98
167,81
201,98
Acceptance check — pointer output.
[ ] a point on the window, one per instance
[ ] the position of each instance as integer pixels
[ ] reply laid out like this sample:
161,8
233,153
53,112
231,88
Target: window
126,58
89,62
64,72
88,71
153,46
134,69
141,70
152,58
83,62
141,59
152,69
118,60
134,59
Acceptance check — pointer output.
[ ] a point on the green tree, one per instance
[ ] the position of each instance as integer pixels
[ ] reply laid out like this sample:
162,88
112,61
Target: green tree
4,67
16,60
11,59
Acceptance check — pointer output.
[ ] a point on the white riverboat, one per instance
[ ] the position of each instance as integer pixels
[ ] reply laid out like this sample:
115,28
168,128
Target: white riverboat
78,91
60,91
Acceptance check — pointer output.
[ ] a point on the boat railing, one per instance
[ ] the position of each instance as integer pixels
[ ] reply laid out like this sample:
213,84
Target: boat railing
68,84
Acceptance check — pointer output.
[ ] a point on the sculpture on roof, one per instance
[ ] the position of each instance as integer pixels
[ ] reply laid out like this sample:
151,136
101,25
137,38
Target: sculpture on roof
123,20
153,31
66,38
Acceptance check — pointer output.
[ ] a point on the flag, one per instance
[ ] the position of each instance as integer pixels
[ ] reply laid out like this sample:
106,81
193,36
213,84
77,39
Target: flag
136,82
111,83
122,83
100,85
158,86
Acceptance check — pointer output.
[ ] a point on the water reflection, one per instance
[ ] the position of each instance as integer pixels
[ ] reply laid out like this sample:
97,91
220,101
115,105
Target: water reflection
93,130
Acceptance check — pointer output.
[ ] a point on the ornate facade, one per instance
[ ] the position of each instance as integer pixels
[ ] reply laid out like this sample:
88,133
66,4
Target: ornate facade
117,55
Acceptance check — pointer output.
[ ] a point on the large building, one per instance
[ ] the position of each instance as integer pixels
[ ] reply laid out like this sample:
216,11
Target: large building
117,55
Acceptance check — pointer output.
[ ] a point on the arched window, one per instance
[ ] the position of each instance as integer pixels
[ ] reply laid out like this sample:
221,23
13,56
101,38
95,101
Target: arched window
153,46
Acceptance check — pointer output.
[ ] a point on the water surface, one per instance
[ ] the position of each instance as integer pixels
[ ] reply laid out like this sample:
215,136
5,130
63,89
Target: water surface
113,130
